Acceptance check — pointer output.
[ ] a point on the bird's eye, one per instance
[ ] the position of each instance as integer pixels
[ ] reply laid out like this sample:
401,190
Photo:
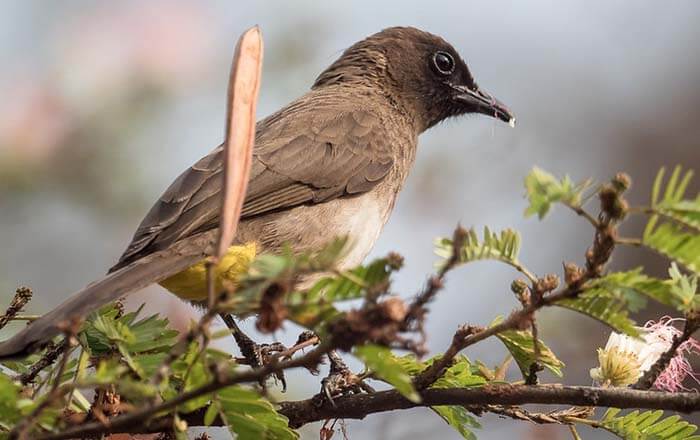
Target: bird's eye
443,63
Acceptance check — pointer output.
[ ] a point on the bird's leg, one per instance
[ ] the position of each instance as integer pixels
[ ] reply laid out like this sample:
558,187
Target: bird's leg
340,381
249,348
254,354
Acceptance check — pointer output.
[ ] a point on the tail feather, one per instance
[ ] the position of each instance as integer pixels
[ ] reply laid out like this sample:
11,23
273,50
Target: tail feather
150,269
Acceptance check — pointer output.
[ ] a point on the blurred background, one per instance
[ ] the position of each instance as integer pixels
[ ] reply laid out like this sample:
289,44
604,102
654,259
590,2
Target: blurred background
104,103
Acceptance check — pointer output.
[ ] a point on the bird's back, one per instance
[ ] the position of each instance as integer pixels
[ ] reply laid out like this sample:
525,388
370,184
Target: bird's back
335,142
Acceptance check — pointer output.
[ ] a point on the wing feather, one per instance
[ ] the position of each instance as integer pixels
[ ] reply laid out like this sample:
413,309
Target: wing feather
294,162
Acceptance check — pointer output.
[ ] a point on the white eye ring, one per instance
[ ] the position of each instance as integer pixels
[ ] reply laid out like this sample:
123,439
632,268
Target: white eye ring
443,63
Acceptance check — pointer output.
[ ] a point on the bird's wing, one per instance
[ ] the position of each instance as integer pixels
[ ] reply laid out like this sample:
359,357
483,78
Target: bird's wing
296,160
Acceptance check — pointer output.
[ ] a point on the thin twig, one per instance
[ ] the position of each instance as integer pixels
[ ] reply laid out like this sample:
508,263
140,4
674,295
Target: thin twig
25,318
583,213
636,242
52,353
653,211
561,417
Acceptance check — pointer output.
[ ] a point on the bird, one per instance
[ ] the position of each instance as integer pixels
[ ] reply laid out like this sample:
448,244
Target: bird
331,163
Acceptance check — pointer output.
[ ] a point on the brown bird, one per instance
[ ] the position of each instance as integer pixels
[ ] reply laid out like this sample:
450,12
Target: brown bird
330,163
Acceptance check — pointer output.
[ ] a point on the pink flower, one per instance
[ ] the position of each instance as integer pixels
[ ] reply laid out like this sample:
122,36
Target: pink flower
672,378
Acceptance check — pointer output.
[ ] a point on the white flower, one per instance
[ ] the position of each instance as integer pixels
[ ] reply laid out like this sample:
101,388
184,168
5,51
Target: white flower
625,359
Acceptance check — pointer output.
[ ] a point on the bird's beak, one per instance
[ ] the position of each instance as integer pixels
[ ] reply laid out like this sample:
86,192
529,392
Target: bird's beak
481,102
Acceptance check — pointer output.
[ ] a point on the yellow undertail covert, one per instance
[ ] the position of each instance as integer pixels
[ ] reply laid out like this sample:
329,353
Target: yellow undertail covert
191,284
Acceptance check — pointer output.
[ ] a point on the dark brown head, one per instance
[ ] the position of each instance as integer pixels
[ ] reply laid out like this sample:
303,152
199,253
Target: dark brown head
422,72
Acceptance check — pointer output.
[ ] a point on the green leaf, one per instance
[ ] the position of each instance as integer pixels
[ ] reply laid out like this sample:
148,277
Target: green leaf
520,344
135,390
503,246
543,190
647,425
112,330
104,332
606,308
381,361
192,372
685,289
675,187
150,334
678,237
212,411
460,375
108,371
459,418
674,242
250,417
632,287
685,213
9,397
310,308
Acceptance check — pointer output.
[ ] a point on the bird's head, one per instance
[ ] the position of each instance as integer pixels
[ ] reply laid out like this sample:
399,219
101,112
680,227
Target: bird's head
422,72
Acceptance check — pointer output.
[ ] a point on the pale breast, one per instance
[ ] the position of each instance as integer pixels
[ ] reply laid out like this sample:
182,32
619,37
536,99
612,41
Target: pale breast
362,225
311,227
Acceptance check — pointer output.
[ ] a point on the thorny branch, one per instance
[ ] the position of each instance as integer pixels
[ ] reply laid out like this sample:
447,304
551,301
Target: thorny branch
358,406
53,351
596,259
498,399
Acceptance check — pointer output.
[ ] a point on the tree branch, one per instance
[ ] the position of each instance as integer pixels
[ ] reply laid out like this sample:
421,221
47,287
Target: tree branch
358,406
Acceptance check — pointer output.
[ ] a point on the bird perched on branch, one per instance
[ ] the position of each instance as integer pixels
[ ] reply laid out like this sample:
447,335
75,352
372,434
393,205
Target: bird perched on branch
329,164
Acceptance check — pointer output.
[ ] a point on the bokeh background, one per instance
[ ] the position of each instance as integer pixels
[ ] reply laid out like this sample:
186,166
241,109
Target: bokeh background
104,103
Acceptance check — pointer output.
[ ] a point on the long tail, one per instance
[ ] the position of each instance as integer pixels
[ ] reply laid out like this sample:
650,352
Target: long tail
150,269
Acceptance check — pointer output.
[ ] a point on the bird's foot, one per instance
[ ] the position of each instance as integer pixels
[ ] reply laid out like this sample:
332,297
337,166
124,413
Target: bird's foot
258,355
340,381
253,354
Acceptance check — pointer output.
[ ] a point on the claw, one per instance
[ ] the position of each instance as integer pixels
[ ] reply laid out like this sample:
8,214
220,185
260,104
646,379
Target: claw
340,381
325,386
254,354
